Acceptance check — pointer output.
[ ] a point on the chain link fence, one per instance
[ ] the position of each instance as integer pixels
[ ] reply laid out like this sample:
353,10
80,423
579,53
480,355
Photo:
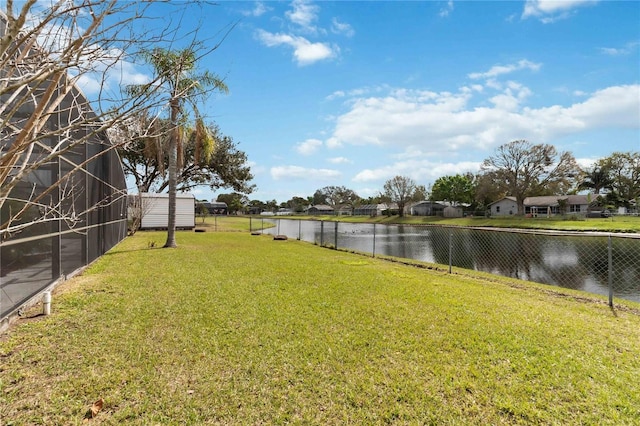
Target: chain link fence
600,263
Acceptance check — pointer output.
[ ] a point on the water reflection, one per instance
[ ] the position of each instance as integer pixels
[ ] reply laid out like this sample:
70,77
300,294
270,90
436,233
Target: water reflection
574,262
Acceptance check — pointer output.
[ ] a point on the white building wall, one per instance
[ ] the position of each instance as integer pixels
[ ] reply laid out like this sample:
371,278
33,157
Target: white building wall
504,207
155,211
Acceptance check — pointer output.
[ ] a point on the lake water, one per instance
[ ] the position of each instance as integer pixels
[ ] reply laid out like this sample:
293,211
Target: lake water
570,261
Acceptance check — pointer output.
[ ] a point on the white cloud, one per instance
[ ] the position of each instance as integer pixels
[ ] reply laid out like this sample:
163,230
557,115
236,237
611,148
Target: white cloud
586,163
445,122
259,9
620,51
335,95
302,173
549,11
257,169
446,10
420,170
333,142
308,147
304,51
97,68
303,14
498,70
613,106
104,76
512,97
338,27
339,160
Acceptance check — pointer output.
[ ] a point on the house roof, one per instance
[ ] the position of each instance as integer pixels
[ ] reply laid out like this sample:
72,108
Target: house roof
323,207
430,203
504,198
371,206
552,200
217,204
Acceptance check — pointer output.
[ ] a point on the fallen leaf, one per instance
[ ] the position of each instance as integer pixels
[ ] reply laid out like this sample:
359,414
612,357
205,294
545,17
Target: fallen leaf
94,410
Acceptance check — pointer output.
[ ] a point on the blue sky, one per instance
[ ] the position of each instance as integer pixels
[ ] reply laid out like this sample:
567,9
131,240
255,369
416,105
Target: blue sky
354,93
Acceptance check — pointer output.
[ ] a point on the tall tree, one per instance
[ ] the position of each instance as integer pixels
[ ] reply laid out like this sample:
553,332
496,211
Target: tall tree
486,191
400,190
624,171
183,87
523,169
235,202
454,189
296,204
421,193
336,196
596,179
146,160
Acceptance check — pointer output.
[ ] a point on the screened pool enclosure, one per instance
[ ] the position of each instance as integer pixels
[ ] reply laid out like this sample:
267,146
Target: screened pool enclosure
72,206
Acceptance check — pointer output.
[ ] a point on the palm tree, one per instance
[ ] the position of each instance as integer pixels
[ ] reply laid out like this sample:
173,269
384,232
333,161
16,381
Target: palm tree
176,74
597,179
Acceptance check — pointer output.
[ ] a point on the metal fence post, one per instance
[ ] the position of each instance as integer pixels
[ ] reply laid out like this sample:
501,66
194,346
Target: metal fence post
321,233
610,270
335,235
374,240
299,229
450,249
278,227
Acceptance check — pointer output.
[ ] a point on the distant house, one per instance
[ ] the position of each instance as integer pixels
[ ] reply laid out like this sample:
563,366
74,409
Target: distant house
370,209
506,206
345,210
428,208
557,204
255,210
284,212
320,209
215,207
545,205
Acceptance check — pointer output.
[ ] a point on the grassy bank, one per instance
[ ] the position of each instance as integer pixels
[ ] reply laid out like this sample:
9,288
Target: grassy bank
568,223
236,329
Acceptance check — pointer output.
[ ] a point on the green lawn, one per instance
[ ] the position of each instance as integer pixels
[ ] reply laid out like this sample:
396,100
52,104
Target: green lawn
236,329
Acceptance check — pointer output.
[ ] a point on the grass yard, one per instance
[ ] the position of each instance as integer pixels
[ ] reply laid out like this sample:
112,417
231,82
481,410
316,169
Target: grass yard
228,223
236,329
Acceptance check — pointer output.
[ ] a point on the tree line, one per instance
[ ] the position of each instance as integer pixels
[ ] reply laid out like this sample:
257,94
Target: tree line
519,169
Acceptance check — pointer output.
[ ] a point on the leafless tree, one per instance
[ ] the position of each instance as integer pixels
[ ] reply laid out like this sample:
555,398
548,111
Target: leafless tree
523,169
400,190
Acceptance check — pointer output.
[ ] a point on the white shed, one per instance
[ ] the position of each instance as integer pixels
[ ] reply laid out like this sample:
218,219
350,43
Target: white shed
507,206
155,211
